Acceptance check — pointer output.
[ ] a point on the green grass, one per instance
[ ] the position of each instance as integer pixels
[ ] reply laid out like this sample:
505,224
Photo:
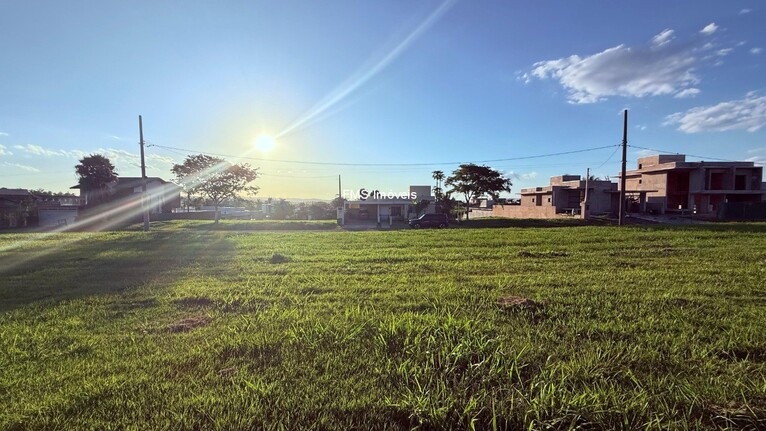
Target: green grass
186,327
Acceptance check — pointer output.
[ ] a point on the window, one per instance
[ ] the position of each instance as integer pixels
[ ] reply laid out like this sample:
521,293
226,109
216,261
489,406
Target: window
640,181
549,199
740,182
639,166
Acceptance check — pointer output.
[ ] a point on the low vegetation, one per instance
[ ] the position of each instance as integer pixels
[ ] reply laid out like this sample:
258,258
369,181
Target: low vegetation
187,327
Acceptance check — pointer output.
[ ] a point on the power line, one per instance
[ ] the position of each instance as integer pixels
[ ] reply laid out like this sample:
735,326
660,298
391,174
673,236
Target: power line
610,157
683,154
304,162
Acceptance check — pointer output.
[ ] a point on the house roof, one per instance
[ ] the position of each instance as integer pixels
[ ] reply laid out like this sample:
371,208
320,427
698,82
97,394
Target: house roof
129,182
13,192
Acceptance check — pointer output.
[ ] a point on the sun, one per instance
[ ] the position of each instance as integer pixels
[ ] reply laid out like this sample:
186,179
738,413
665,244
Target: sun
265,143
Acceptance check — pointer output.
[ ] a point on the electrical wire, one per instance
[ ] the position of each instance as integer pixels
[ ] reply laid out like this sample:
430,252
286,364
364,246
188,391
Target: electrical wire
682,154
304,162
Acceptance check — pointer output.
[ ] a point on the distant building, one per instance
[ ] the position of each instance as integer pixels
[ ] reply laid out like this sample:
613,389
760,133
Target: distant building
671,184
14,207
563,196
163,196
380,208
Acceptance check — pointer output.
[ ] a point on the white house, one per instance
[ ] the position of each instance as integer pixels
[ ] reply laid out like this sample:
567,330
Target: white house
385,207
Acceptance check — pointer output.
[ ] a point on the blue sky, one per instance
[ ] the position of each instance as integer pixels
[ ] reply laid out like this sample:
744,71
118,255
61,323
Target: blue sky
388,82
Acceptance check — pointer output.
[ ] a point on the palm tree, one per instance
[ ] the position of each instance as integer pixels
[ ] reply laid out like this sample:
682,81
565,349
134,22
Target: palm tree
95,172
438,176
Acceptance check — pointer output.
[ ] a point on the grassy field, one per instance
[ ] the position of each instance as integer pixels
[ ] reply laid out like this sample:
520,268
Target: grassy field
188,327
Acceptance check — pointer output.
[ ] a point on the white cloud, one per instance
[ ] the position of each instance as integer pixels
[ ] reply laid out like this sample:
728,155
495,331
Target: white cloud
4,151
663,38
724,52
744,114
758,160
3,134
36,150
20,166
644,153
757,150
161,159
522,176
744,11
687,92
620,71
756,50
709,29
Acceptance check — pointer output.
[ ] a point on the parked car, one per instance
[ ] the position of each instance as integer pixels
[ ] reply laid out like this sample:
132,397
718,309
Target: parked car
430,220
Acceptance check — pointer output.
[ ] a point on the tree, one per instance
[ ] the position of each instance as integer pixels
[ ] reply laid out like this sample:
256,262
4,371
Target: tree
95,172
438,176
473,181
283,210
215,178
420,206
42,193
322,211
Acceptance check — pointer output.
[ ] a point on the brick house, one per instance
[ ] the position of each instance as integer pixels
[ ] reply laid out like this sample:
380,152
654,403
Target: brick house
671,184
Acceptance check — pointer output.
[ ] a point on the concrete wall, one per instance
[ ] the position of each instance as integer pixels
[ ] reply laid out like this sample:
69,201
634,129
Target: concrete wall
521,211
56,216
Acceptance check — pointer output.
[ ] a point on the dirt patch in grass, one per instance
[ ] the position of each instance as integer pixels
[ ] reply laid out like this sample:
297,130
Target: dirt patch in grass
518,303
753,354
279,258
735,415
533,310
542,254
190,323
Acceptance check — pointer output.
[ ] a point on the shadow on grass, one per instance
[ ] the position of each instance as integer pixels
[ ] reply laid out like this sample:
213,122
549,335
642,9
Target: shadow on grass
240,225
74,265
744,227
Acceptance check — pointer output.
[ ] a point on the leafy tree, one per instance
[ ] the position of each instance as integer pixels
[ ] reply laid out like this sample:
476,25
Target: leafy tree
473,181
215,178
338,202
420,206
49,194
322,211
283,210
95,172
302,211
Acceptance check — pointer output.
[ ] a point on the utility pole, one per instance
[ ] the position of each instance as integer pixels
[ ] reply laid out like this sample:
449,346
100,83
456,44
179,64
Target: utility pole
585,199
621,218
144,204
342,209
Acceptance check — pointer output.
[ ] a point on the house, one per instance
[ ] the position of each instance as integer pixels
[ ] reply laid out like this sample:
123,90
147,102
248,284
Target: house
671,184
15,207
563,196
385,208
56,210
163,196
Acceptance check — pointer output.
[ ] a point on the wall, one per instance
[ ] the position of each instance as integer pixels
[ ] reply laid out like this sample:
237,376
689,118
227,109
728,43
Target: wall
519,211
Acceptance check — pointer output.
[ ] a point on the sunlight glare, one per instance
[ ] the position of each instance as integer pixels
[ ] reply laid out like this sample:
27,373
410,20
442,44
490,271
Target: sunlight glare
265,143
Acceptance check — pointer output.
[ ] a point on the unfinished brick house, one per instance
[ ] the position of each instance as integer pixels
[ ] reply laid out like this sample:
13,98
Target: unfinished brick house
671,184
563,196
